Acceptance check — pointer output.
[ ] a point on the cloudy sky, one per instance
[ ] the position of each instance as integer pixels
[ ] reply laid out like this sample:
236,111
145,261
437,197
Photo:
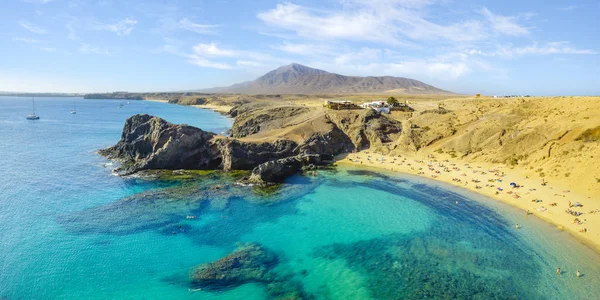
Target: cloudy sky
539,47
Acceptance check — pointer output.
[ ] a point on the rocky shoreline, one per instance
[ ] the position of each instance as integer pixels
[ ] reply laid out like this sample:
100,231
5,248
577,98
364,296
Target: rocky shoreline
274,141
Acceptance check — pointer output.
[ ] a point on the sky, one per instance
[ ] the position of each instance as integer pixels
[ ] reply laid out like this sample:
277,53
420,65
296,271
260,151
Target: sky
536,47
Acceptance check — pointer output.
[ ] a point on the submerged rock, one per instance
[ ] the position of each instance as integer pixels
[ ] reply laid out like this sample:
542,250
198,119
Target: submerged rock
250,263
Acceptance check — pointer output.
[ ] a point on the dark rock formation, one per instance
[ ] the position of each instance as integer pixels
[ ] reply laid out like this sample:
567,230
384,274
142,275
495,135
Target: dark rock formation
152,143
365,128
250,263
277,170
267,138
240,155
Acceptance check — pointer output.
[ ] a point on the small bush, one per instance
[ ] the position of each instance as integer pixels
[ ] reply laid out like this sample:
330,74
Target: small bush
590,135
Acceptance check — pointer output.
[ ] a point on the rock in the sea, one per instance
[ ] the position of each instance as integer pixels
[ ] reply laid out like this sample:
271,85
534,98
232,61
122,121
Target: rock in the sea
278,170
149,142
249,263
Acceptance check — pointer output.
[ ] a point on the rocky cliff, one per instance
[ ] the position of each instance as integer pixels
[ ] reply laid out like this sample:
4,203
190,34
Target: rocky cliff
149,142
273,140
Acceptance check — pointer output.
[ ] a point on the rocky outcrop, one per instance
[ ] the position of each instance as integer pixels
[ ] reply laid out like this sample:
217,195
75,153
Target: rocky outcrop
277,170
250,263
366,128
273,140
149,142
240,155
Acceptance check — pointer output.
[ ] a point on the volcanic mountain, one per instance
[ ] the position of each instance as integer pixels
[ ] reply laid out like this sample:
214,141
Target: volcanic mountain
299,79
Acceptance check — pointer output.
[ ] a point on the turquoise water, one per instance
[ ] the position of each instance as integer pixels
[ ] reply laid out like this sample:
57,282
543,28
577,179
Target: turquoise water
69,229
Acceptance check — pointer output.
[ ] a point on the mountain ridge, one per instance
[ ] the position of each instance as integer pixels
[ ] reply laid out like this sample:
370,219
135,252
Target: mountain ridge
299,79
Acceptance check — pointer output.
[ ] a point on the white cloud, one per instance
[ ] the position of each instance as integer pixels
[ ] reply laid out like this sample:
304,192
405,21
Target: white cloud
197,28
371,62
303,49
385,21
504,25
32,28
534,49
87,48
121,28
212,50
212,56
205,63
547,49
410,68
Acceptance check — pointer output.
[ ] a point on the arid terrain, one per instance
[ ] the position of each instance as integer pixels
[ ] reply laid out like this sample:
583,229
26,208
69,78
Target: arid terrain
555,138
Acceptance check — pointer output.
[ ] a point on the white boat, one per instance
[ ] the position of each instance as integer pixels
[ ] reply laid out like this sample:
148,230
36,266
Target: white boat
73,111
33,116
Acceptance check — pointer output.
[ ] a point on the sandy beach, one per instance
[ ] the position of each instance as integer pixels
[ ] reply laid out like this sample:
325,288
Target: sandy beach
548,202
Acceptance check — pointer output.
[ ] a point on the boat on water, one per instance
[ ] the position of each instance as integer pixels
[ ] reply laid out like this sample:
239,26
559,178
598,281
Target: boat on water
74,110
33,116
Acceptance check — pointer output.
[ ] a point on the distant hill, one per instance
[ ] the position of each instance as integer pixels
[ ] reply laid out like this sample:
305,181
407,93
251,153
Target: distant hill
299,79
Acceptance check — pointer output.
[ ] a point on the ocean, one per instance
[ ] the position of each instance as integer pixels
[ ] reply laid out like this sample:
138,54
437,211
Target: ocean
70,229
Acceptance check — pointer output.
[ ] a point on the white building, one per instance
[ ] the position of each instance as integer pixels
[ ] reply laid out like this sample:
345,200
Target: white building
378,106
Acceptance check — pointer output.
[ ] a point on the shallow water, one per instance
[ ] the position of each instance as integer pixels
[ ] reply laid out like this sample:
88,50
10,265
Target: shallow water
71,230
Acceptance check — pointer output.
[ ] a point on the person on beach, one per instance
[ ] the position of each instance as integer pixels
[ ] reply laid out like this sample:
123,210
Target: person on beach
578,274
517,227
558,271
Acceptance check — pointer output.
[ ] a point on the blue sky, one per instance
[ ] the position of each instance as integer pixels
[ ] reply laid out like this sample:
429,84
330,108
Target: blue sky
491,47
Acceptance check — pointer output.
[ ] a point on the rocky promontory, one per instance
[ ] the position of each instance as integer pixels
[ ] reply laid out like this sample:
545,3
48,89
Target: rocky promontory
273,140
149,142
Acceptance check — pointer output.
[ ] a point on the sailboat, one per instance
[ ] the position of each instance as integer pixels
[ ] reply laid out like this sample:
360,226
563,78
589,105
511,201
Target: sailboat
33,116
73,111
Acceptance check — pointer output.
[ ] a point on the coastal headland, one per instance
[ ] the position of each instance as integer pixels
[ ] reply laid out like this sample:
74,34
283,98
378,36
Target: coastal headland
536,153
